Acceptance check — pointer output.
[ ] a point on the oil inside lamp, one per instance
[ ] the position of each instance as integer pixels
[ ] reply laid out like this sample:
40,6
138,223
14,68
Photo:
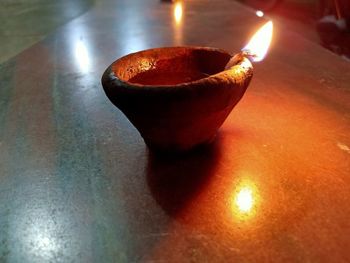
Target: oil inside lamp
164,77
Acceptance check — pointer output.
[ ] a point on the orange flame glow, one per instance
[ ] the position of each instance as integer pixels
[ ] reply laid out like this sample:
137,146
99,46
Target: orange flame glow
260,42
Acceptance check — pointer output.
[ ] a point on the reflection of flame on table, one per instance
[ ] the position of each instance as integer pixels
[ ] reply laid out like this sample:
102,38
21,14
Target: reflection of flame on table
245,199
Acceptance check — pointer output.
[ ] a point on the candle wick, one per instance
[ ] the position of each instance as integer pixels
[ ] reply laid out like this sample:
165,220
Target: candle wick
245,53
248,54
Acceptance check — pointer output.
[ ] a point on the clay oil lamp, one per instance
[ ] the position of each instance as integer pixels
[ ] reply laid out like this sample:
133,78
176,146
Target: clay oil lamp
178,97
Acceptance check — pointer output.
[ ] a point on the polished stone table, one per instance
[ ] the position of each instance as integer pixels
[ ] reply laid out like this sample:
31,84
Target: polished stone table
77,183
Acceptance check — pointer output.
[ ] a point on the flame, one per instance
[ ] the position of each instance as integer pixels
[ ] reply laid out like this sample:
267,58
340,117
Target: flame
178,12
260,42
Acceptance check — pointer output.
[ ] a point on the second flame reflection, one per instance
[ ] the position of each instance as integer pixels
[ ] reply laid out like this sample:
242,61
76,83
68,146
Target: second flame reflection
178,12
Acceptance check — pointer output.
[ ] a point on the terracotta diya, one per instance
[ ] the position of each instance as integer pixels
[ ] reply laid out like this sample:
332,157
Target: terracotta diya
178,97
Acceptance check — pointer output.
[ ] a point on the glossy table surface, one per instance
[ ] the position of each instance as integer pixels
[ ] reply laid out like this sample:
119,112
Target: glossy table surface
77,183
